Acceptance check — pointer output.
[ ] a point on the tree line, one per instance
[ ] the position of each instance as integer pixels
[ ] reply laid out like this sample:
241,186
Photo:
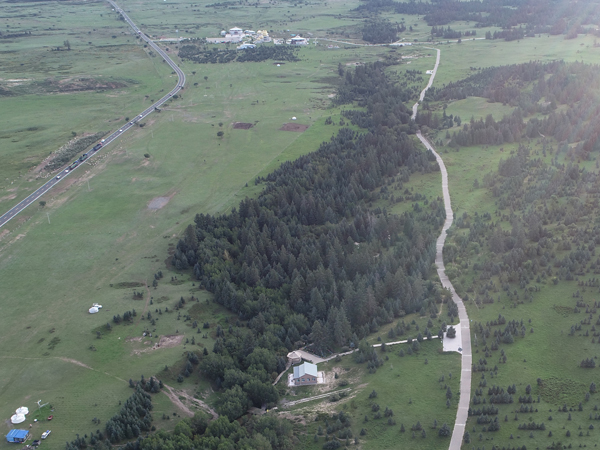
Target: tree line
557,17
381,31
133,420
200,55
534,89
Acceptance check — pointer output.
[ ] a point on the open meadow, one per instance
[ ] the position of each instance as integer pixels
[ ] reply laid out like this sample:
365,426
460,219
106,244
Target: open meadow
548,356
418,406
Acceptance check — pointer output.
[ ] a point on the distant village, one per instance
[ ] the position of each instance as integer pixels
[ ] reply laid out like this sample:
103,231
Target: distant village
250,38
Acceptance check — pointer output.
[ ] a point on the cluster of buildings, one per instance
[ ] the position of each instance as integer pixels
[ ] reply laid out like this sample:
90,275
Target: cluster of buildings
305,373
237,35
250,38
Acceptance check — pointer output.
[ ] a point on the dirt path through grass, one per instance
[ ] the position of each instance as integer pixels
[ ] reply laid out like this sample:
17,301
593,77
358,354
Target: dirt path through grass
67,360
174,395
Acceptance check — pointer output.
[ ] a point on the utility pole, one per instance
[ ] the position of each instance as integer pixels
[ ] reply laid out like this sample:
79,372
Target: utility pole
48,214
88,182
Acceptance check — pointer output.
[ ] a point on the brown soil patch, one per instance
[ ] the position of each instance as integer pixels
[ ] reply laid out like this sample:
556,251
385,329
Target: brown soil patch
78,85
291,417
164,342
175,397
3,233
158,202
293,127
242,126
169,341
8,197
134,339
19,236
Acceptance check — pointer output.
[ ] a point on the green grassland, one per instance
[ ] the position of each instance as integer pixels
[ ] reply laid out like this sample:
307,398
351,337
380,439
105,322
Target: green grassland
458,59
104,77
548,351
478,108
410,386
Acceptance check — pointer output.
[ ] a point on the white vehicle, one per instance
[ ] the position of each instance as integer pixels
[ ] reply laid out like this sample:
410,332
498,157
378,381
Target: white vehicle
46,433
121,130
58,177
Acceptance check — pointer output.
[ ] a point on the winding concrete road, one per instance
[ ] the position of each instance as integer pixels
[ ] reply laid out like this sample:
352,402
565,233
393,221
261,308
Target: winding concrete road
465,374
66,171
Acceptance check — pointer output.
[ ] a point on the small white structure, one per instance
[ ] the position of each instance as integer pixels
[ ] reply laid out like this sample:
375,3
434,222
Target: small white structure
250,32
235,31
293,118
223,33
305,374
93,310
245,46
429,72
298,40
22,410
294,357
17,418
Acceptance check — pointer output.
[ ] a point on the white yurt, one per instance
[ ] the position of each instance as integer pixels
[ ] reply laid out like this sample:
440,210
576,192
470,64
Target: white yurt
93,310
17,418
22,410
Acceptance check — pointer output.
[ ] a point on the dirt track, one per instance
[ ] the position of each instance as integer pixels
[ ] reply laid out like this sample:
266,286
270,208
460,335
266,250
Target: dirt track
174,395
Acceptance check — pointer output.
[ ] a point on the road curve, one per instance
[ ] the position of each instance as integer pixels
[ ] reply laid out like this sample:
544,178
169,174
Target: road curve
462,413
60,176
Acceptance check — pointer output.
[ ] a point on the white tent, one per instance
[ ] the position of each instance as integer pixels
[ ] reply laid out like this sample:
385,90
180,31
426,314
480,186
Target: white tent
22,410
293,118
17,418
93,310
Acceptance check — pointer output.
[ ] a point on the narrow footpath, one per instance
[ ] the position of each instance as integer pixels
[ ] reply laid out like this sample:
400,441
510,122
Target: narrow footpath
466,361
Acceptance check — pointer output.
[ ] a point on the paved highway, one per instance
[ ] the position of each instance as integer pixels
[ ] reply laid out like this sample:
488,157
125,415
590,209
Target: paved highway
15,210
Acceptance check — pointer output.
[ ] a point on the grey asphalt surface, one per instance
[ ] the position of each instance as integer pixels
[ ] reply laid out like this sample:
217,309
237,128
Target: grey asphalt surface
462,413
60,176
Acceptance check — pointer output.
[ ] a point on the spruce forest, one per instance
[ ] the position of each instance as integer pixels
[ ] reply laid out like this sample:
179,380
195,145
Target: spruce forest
310,260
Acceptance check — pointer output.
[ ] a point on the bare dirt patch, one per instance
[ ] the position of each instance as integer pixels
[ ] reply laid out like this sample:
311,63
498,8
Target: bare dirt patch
19,236
291,417
77,85
158,202
169,341
293,127
8,197
3,233
242,126
175,396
